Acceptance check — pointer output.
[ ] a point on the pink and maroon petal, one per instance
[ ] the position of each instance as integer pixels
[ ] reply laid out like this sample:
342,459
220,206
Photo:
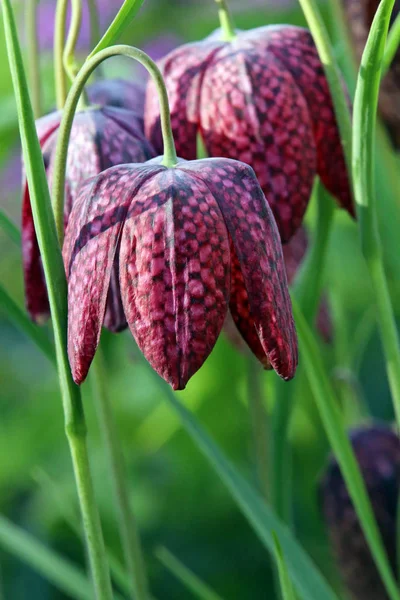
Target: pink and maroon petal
175,274
252,110
182,71
91,239
295,49
257,245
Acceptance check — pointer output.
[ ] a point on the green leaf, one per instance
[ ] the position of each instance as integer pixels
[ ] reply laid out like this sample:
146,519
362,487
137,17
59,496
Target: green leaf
185,576
62,573
18,316
310,584
284,579
123,19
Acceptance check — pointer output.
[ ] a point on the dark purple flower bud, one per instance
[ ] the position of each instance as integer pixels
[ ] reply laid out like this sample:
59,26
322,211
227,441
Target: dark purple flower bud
360,15
263,99
186,243
377,449
100,138
118,92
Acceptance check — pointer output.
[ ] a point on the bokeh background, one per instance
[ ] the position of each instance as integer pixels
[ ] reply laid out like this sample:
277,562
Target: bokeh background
177,499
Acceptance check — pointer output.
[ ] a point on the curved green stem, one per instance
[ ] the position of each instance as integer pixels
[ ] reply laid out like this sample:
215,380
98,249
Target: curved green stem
365,111
53,267
326,54
226,21
69,61
331,417
128,531
392,45
33,57
170,158
59,38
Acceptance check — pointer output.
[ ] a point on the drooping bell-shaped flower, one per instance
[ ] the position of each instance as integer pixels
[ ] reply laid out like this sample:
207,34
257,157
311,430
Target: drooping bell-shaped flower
121,93
263,99
186,243
377,449
100,138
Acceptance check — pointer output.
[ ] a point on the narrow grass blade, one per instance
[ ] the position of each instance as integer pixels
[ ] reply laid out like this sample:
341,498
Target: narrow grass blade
123,19
392,45
284,579
62,573
191,582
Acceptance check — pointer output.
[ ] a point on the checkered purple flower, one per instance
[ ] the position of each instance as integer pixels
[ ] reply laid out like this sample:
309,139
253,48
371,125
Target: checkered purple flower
185,243
262,99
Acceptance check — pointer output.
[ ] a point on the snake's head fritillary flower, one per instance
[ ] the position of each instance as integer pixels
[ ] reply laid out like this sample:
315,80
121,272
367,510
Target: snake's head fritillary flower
121,93
377,449
186,243
360,16
262,99
100,138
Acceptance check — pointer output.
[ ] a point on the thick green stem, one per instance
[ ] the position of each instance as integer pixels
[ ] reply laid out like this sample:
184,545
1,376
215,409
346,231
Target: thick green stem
70,65
170,158
331,417
226,21
129,534
392,45
33,57
365,111
59,38
57,292
259,425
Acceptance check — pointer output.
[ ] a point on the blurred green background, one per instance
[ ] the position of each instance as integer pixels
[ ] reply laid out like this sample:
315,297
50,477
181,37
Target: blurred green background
178,501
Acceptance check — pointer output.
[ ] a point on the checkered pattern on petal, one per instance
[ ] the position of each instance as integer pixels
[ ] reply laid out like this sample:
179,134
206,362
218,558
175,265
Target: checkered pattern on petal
182,70
91,240
295,49
175,273
252,110
256,241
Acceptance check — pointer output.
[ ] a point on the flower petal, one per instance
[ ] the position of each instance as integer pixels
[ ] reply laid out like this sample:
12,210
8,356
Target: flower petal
295,49
182,70
258,248
90,244
175,274
252,110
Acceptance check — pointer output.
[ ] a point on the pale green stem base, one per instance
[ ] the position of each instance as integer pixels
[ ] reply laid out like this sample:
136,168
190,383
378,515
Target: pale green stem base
127,526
